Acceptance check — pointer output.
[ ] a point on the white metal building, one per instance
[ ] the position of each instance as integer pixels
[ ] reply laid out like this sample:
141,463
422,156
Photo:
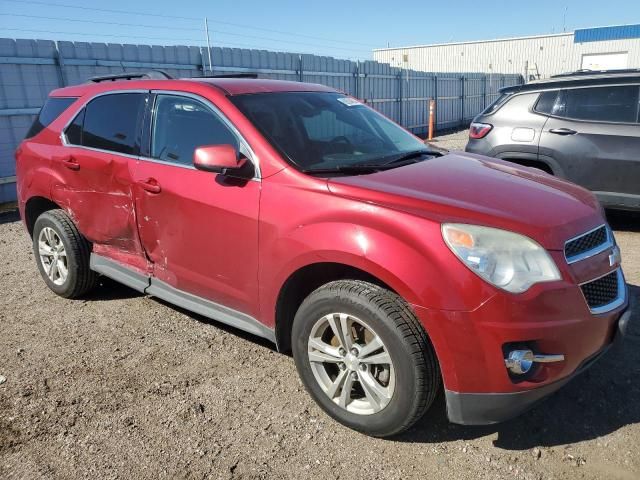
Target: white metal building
537,56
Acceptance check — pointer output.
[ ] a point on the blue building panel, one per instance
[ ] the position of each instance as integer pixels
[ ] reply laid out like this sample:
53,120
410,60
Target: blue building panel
602,34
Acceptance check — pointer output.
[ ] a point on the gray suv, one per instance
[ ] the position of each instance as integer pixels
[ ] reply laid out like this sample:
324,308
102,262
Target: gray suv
581,126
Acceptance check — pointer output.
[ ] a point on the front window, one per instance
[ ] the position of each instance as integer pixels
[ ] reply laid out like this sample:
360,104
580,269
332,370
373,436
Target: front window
183,124
320,131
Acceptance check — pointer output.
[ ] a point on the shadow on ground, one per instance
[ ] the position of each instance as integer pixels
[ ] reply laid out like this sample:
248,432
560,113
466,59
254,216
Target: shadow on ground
9,216
221,326
108,289
602,400
624,221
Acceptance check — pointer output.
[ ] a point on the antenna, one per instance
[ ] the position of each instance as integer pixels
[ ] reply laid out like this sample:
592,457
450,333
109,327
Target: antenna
564,20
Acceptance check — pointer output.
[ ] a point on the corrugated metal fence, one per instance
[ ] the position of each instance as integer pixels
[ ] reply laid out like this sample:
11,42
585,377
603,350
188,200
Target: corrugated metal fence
30,69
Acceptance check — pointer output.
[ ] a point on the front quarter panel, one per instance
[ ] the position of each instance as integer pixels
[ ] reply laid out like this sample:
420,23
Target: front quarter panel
302,223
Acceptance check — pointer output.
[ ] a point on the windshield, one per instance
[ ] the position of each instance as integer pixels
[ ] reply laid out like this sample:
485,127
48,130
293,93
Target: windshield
320,131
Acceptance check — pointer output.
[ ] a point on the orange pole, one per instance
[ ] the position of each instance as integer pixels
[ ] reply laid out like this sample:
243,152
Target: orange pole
432,107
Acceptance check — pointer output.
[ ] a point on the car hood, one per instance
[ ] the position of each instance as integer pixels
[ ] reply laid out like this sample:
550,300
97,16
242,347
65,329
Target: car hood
468,188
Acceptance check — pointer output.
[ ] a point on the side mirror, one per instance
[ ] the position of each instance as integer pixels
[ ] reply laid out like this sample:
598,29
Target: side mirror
222,159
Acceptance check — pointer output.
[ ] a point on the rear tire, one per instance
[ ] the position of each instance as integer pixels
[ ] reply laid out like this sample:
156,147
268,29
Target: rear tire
389,376
62,255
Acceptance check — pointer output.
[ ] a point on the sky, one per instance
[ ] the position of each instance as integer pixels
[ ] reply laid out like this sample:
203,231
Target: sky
339,28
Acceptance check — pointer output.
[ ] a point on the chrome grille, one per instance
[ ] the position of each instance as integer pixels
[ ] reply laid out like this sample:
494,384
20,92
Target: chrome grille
587,244
603,291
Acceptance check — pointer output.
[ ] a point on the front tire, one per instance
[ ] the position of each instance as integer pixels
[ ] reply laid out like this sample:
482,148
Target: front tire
364,357
62,255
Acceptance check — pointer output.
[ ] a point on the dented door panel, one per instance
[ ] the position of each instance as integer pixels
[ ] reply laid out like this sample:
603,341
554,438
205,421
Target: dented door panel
200,230
94,187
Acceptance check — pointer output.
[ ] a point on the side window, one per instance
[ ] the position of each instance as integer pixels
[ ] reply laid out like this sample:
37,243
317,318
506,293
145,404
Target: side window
547,103
51,110
605,104
74,130
496,104
181,125
111,122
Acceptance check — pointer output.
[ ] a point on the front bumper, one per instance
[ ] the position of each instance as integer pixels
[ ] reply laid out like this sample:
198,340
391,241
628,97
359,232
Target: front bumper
488,408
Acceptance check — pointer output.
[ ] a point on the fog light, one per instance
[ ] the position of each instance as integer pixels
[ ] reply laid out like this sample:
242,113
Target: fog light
521,361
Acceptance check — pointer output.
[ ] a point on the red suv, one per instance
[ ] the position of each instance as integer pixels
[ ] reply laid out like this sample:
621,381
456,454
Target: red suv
296,213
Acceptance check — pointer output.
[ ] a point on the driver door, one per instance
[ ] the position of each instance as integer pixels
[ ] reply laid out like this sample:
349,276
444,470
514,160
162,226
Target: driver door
199,229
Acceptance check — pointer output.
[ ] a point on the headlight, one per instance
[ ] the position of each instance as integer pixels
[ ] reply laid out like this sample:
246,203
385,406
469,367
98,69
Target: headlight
505,259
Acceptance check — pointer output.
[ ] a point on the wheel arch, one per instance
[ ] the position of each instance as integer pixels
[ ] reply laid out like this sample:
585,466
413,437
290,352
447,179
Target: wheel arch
34,207
305,280
546,164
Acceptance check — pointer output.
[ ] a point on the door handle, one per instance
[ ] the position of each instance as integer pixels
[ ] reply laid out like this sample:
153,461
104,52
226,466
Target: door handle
562,131
150,185
71,163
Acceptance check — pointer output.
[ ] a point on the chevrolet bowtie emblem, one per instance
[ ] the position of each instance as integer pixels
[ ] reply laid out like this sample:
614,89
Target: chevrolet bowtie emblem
615,258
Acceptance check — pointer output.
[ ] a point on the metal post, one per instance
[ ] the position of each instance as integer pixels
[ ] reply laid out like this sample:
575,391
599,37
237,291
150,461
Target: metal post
484,93
435,97
300,71
203,63
62,77
400,98
357,75
462,99
206,31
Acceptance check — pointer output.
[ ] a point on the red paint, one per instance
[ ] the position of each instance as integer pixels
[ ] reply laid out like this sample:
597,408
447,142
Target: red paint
237,242
216,158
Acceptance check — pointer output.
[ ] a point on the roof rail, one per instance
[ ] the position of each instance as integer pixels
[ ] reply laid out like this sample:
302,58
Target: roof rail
150,75
230,75
586,71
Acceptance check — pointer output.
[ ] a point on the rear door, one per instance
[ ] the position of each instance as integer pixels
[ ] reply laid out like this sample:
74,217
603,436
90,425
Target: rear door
594,134
101,145
199,229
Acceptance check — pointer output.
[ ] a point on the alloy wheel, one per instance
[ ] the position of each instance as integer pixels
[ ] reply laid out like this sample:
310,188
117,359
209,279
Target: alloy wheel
351,363
53,256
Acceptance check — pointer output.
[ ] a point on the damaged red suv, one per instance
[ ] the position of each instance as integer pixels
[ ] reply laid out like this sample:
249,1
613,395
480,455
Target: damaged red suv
299,214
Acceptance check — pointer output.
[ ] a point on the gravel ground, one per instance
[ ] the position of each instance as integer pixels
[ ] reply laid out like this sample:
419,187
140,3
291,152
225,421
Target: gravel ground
452,141
124,386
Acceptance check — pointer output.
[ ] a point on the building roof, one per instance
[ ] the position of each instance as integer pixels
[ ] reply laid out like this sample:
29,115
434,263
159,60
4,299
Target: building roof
601,34
595,34
476,41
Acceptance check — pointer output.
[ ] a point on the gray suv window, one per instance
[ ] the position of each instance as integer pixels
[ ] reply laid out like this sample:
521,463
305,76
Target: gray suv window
497,103
547,102
603,104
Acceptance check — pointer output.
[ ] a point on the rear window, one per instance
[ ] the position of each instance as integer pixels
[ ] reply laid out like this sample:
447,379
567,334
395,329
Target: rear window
51,110
109,122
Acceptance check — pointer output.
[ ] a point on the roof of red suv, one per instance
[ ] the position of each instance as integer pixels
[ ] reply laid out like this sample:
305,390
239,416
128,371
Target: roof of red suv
230,86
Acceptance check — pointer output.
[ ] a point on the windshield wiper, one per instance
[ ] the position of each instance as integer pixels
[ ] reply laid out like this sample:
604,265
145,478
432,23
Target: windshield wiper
411,155
397,161
344,169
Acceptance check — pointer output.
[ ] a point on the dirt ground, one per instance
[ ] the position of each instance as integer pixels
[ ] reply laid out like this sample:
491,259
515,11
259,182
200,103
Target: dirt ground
119,385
